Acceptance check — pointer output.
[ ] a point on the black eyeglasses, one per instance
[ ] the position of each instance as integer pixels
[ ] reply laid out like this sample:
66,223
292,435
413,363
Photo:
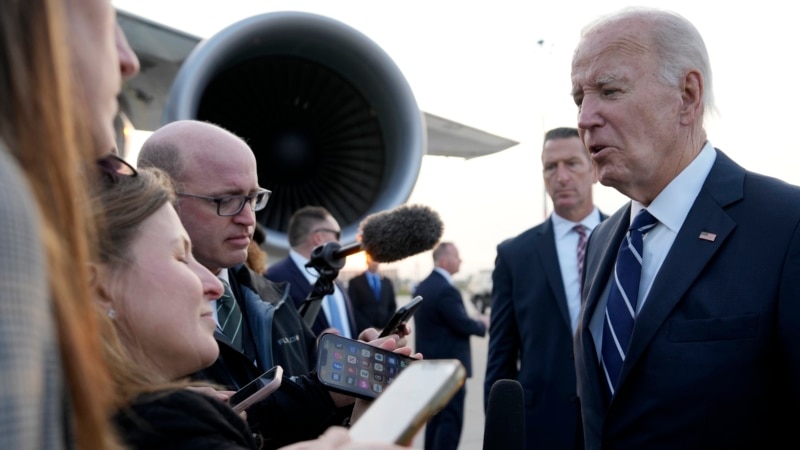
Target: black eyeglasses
113,167
336,233
231,205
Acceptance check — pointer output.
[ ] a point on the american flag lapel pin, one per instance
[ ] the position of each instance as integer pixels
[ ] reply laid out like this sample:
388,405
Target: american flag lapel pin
710,237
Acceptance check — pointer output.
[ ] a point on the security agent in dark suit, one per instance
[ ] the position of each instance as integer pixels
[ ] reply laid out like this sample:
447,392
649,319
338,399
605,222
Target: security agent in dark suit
713,359
372,297
536,298
310,227
443,331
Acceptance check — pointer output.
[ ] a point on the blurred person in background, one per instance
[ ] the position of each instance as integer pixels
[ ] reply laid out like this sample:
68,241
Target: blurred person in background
372,296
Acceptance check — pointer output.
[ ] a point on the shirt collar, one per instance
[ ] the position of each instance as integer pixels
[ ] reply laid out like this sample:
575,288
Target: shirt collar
562,226
672,204
445,274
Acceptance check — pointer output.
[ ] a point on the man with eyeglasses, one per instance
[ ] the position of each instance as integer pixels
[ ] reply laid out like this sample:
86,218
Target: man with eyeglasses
216,178
310,227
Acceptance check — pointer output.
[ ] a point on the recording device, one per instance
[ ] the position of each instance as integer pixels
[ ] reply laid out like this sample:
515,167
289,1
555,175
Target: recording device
256,390
356,368
505,417
387,236
416,395
401,317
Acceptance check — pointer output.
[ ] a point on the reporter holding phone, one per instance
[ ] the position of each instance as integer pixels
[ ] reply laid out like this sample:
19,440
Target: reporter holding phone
158,327
219,193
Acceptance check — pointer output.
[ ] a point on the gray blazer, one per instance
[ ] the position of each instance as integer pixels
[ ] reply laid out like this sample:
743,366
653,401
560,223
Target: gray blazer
33,395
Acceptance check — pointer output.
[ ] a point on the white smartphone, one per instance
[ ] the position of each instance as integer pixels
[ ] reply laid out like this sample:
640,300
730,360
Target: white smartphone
256,390
420,391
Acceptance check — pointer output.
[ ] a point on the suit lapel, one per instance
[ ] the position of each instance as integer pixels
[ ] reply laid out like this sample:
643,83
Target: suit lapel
693,248
601,253
546,248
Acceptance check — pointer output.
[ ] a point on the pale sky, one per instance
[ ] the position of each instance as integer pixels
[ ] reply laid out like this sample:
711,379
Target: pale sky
503,67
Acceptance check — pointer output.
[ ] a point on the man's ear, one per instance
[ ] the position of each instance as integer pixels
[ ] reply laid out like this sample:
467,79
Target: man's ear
691,97
98,282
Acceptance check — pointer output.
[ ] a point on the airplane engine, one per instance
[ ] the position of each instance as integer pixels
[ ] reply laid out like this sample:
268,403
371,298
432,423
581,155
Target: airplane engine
329,116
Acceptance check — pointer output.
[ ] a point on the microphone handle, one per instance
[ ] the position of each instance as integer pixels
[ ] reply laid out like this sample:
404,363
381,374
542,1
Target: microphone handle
327,259
347,250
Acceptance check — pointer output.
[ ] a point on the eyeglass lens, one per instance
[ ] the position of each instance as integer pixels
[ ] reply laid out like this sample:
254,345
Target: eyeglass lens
232,205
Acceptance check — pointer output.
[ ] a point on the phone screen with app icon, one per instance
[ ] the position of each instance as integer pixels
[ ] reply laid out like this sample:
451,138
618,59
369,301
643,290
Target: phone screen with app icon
356,368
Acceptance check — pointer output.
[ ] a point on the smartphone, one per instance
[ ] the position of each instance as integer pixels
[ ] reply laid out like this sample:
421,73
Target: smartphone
401,317
256,390
356,368
423,389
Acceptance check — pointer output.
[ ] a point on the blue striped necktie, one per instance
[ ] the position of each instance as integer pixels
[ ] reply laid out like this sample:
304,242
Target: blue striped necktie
622,299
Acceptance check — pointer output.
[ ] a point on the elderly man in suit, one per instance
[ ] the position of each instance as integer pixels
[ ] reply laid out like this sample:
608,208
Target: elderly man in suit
690,336
536,298
443,330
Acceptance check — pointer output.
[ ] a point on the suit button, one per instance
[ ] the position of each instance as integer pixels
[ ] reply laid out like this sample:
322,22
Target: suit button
572,356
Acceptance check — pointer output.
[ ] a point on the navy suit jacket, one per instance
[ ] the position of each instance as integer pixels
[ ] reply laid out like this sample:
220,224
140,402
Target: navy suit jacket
531,327
299,288
442,326
371,311
714,360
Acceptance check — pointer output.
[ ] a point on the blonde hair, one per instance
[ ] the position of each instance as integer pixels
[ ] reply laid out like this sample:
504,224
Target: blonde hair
39,123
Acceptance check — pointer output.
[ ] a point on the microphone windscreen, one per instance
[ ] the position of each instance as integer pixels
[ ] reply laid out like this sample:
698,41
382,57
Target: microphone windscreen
401,232
505,417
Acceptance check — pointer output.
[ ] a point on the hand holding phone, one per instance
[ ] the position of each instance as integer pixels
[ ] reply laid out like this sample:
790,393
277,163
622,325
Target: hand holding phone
401,317
420,391
256,390
356,368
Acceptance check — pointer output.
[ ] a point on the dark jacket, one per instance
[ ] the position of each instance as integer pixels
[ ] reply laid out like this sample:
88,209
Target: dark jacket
182,419
443,327
275,334
530,339
368,310
714,361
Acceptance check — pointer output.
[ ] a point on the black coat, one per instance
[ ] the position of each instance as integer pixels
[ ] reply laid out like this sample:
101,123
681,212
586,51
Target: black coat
301,408
182,419
369,311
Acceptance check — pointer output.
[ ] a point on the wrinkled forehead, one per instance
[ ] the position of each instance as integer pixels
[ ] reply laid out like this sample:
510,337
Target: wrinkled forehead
609,55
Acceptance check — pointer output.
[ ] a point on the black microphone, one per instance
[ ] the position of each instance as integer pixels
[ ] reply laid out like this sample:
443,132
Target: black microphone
505,417
387,236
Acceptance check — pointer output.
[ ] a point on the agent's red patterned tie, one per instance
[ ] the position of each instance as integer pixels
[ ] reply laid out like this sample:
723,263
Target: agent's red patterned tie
582,237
